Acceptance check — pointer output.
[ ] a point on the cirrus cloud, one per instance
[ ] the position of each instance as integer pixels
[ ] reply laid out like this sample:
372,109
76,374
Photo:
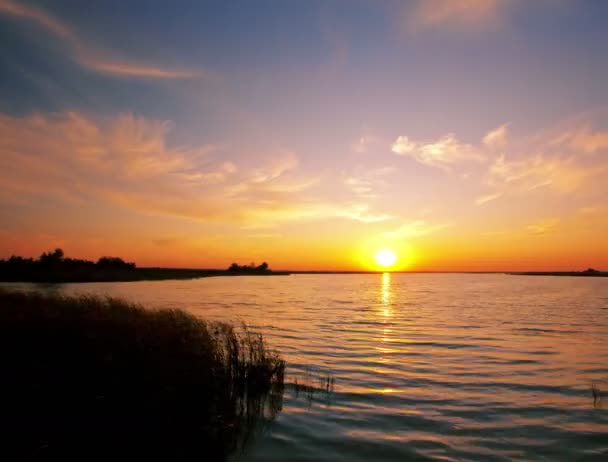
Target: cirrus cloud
416,228
488,198
497,138
127,161
583,139
425,14
89,57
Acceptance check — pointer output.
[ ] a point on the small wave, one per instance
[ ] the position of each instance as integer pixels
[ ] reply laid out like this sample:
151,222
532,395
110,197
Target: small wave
445,345
534,330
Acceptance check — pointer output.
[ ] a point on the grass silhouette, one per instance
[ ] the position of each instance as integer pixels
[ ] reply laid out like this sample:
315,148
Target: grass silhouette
88,378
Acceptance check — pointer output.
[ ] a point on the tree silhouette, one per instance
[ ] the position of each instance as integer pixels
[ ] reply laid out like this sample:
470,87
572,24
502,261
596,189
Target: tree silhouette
114,262
251,268
52,257
55,267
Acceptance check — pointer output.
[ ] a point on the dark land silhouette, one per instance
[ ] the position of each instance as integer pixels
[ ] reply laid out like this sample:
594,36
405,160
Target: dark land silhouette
590,272
55,267
251,268
89,378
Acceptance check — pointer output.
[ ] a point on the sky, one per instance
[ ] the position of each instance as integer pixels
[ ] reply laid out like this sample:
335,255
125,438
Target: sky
463,135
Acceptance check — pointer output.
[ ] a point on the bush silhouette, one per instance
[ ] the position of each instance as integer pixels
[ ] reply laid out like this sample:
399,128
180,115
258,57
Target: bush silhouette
251,268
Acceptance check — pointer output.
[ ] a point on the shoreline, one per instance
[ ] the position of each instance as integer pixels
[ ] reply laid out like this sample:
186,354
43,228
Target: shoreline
137,274
176,274
587,274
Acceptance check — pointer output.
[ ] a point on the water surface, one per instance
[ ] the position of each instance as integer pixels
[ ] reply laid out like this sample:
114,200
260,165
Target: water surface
425,366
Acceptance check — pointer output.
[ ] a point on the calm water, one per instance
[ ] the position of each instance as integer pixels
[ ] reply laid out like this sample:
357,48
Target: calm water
425,367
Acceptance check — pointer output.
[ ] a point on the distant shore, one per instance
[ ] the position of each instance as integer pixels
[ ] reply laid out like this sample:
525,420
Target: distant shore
55,267
593,274
133,275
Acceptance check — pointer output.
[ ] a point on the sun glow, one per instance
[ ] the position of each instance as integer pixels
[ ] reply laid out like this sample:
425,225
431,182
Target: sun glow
385,258
380,254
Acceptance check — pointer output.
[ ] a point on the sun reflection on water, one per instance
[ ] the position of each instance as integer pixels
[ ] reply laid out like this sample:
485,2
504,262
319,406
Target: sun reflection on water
386,295
386,314
385,348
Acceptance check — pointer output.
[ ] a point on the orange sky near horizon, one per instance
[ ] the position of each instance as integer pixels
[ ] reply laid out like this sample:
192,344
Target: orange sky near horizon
461,135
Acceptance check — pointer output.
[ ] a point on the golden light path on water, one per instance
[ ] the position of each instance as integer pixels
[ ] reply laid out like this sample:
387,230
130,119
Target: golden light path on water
468,367
386,308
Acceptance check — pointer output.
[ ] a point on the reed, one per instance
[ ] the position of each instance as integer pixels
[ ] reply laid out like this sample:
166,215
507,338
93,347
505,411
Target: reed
87,378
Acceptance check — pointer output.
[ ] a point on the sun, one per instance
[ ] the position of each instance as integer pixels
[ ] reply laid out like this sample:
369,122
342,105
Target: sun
385,258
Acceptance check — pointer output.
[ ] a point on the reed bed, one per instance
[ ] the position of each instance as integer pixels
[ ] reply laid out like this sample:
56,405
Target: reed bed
88,378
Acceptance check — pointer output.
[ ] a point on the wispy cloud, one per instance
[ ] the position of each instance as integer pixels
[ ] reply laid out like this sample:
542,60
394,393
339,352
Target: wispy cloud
561,165
368,183
443,152
277,168
543,227
130,69
531,173
436,13
361,212
127,161
537,228
595,209
487,198
269,213
497,138
35,14
416,228
86,55
561,160
583,139
359,185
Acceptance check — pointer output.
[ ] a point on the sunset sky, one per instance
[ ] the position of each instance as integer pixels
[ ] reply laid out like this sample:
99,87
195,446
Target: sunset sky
460,134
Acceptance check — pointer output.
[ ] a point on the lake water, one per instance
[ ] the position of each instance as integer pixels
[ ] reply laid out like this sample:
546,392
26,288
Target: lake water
424,366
